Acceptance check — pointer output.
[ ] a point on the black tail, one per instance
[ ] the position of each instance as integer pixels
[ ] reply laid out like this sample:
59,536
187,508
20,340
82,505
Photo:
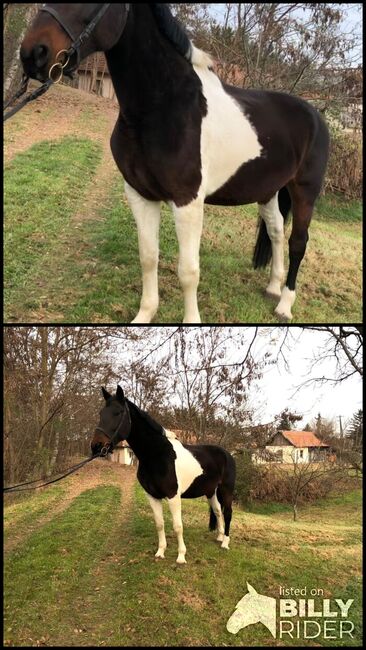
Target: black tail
263,248
213,520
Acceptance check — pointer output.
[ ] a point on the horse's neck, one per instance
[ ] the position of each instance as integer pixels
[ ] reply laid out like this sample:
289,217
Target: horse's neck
140,439
143,65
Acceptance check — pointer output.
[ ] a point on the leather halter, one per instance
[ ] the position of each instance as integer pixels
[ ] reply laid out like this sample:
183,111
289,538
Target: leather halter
76,43
58,65
114,437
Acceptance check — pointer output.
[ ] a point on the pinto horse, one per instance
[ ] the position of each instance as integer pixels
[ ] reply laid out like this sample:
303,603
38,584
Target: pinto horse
185,138
168,469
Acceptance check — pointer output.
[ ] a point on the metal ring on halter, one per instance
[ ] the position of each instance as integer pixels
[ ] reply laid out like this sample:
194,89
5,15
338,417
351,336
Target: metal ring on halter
59,65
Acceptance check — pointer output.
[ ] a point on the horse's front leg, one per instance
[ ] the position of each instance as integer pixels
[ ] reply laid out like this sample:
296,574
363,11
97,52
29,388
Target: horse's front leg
176,510
188,221
157,508
147,217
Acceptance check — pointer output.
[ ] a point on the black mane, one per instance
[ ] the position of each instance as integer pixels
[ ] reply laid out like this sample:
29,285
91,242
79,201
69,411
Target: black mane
154,426
171,28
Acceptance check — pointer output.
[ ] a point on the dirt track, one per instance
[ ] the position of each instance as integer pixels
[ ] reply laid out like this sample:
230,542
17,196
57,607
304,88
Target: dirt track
87,478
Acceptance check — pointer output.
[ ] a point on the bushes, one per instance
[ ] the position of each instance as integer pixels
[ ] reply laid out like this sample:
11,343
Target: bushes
247,475
344,171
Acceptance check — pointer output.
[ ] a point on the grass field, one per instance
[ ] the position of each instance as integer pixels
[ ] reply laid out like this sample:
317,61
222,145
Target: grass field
84,572
71,250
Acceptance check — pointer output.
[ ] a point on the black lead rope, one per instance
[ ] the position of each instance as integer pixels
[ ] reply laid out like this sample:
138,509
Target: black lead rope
36,93
74,468
71,470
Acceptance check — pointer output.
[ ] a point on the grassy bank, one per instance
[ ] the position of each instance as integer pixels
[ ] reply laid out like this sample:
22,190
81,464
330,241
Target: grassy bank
88,576
71,249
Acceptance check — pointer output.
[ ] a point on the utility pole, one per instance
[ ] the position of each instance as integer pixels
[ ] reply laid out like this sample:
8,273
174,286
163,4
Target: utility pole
340,426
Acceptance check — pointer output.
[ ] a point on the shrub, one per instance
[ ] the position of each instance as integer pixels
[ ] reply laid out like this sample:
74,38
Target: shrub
247,475
344,171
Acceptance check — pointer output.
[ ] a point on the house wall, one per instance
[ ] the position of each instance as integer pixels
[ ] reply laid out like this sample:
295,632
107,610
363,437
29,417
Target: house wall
291,454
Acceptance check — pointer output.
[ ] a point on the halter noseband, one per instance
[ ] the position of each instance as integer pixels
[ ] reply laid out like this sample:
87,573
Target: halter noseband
76,43
115,436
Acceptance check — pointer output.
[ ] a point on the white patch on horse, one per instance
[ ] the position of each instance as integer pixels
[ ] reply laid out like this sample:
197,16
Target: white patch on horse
273,219
283,309
228,139
187,467
170,434
200,58
216,507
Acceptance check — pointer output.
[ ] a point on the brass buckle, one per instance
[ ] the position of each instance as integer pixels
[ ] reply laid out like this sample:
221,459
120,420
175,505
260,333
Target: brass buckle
60,66
104,451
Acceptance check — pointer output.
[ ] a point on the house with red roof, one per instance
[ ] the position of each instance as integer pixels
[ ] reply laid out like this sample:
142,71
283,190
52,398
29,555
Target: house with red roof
294,447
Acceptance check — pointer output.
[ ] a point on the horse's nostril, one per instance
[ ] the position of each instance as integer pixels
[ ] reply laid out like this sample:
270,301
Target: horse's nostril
40,55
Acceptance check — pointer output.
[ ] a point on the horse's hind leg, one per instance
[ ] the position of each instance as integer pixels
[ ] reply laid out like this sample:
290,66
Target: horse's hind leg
225,496
216,507
271,215
304,189
303,199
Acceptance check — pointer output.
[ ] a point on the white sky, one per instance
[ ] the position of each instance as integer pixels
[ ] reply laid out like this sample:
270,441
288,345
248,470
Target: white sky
279,386
275,390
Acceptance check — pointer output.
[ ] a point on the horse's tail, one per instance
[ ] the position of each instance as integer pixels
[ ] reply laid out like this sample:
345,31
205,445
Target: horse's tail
263,248
213,520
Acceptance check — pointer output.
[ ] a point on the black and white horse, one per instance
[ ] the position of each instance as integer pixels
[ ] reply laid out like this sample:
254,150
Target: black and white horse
184,137
168,469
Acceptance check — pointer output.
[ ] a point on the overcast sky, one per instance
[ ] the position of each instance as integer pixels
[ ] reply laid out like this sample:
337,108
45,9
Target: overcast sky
275,390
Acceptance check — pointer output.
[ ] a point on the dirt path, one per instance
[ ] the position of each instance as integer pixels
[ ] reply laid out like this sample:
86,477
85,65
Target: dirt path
87,478
68,111
55,115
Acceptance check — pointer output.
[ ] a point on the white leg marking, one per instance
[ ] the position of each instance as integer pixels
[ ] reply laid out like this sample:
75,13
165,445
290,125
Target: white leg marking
157,508
147,217
283,309
273,219
176,510
225,543
188,222
216,507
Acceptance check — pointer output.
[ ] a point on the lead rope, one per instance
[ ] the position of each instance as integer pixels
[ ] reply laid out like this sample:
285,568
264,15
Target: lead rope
74,468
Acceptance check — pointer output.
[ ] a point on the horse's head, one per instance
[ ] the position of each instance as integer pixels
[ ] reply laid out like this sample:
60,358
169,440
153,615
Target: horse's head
253,608
114,423
58,26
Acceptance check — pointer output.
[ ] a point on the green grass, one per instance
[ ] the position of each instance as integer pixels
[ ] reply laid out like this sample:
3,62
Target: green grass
42,190
61,267
89,578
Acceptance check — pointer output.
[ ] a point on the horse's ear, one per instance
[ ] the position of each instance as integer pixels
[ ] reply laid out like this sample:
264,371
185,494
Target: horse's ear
120,394
106,395
251,589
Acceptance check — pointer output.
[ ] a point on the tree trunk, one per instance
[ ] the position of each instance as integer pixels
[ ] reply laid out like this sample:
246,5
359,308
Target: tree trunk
18,17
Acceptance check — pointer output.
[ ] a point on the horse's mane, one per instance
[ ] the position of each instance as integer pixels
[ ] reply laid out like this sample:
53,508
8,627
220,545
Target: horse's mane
171,28
153,425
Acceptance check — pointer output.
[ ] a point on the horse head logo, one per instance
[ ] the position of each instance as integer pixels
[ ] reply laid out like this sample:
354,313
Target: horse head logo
253,608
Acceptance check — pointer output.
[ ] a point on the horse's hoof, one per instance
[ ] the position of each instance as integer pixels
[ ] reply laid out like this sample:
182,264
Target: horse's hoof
283,317
160,556
181,560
